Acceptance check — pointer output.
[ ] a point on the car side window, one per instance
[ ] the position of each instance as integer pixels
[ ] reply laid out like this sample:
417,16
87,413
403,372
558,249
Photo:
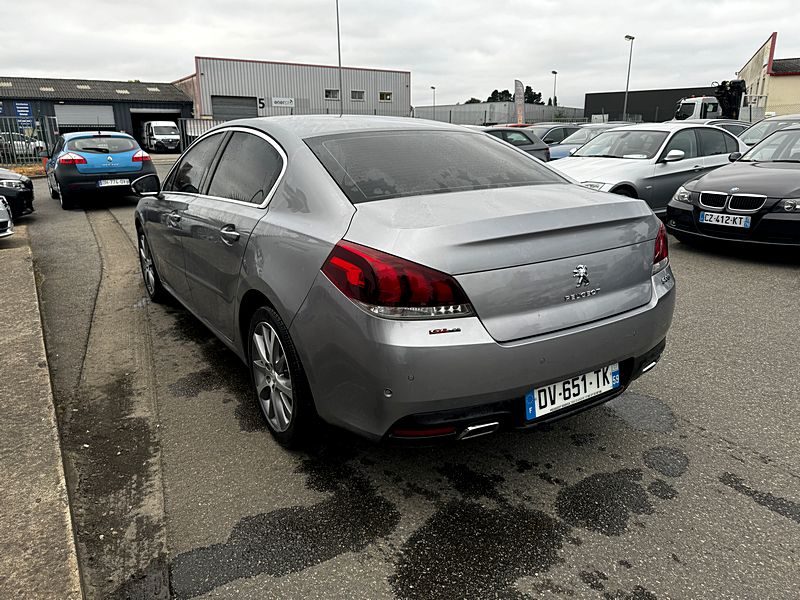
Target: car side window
684,140
731,144
497,134
188,175
516,138
712,142
248,169
554,135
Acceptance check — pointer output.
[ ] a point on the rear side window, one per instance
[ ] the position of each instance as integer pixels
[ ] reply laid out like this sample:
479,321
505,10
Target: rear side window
248,169
394,164
685,141
517,138
712,142
102,144
731,144
188,175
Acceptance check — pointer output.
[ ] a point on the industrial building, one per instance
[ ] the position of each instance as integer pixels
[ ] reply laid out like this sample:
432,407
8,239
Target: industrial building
643,105
493,113
226,88
80,104
772,83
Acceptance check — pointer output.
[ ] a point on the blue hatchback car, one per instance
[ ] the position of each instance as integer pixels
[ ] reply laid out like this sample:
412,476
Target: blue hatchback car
94,161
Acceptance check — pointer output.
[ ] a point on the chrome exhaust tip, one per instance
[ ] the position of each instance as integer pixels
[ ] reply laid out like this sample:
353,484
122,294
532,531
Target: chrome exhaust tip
474,431
650,366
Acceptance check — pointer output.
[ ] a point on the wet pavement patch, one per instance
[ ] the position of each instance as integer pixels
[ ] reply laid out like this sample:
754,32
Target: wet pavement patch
594,579
470,483
643,413
468,551
604,502
670,462
782,506
661,489
292,539
638,593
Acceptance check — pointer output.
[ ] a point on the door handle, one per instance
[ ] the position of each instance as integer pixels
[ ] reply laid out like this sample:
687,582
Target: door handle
697,167
229,234
173,220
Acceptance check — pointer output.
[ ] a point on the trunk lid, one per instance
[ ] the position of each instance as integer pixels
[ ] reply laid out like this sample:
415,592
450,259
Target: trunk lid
515,251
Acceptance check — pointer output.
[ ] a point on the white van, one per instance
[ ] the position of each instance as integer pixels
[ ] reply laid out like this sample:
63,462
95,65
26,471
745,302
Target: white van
161,135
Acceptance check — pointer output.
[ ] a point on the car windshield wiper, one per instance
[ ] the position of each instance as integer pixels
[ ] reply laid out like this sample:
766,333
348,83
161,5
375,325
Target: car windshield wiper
598,155
787,160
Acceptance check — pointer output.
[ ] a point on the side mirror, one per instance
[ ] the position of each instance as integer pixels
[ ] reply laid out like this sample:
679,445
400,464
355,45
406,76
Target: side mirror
734,156
147,186
674,155
549,141
572,151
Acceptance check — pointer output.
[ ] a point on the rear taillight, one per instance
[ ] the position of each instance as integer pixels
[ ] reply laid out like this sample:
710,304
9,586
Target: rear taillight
394,288
661,255
140,156
70,158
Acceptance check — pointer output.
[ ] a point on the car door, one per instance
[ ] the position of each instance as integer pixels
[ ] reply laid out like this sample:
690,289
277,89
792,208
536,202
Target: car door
714,144
165,225
669,176
221,220
50,165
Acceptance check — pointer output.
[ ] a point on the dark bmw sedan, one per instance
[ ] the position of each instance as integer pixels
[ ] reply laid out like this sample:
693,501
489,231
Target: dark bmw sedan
756,199
18,192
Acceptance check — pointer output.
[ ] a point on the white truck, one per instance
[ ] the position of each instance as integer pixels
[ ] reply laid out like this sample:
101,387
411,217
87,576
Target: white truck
729,101
161,136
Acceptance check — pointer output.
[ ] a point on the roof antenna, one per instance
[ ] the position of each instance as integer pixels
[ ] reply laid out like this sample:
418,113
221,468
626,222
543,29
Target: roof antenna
339,45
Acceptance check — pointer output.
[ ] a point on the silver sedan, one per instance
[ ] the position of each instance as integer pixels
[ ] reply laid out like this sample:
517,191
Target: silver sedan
650,161
405,279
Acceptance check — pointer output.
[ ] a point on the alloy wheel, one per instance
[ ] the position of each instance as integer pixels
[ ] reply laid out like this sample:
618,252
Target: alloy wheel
272,378
148,270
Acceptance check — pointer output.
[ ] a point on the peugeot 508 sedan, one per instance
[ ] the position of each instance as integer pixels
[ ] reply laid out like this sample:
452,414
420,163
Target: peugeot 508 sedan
405,279
92,162
755,199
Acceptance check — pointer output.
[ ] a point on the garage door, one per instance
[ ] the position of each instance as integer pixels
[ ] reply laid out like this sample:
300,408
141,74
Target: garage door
85,114
233,107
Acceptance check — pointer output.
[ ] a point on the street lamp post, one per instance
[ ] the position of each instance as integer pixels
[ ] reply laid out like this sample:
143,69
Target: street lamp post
339,48
433,87
555,77
629,38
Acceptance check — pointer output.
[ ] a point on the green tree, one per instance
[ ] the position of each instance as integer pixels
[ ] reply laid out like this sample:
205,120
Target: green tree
472,100
494,97
549,102
532,97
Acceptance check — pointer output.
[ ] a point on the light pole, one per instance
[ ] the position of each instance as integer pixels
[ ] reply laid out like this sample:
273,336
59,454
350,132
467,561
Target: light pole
629,38
433,87
339,47
555,77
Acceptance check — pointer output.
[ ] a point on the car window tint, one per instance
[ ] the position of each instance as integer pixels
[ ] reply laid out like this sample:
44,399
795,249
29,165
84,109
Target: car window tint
248,169
496,133
555,135
394,164
189,173
516,138
712,142
731,144
102,145
683,140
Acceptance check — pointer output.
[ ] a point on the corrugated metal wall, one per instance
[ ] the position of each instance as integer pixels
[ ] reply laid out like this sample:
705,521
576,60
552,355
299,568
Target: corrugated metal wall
305,83
496,112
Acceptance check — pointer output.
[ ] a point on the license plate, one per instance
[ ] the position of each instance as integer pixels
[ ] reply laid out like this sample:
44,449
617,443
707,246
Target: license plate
722,219
110,182
553,397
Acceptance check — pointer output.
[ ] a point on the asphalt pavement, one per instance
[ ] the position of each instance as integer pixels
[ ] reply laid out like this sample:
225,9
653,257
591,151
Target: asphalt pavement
687,486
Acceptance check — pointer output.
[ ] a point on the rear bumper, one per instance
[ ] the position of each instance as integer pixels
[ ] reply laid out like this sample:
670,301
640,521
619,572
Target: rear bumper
369,374
69,178
768,229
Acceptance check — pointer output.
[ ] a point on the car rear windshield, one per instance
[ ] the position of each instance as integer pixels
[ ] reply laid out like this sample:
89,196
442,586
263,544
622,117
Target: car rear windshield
102,145
619,143
393,164
165,130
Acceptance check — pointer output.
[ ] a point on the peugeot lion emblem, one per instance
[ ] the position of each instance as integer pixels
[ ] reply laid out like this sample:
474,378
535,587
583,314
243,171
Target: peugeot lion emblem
734,190
110,159
582,273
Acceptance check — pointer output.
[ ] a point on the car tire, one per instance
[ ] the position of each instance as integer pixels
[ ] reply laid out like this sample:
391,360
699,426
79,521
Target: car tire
624,191
66,198
152,282
53,193
278,380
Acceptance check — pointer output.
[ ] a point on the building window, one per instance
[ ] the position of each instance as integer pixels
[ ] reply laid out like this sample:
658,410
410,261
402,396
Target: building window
357,95
331,94
385,96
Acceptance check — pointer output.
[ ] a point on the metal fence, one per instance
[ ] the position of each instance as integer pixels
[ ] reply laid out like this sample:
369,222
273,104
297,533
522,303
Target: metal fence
23,140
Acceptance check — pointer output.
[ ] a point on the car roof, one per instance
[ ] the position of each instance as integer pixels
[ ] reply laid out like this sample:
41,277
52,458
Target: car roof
707,121
306,126
669,126
784,118
80,134
606,124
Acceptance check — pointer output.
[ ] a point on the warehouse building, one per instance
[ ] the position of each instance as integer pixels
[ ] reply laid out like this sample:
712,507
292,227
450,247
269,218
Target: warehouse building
77,104
226,88
643,105
772,83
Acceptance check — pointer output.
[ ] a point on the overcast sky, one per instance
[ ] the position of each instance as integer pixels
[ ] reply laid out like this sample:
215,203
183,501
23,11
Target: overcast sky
465,48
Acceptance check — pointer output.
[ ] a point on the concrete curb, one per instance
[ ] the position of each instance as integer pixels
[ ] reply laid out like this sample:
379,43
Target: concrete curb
38,558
